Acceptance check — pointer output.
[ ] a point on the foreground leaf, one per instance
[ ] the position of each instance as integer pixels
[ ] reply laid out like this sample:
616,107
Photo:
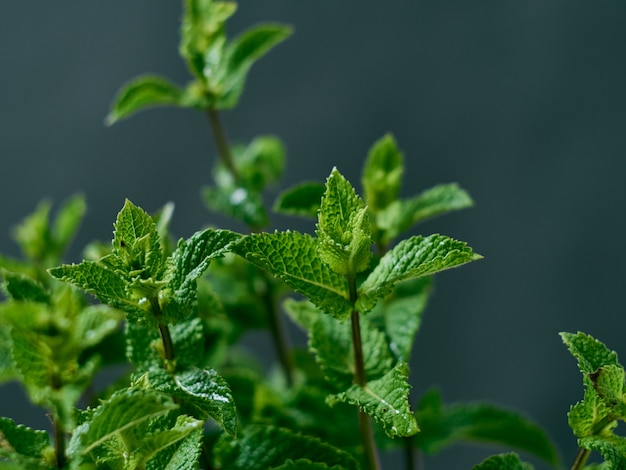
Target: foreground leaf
611,447
503,462
386,400
411,258
262,447
21,440
292,257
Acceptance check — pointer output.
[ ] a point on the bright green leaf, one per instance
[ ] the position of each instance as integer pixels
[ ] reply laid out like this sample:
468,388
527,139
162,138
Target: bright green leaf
141,93
179,454
293,257
21,439
382,174
411,258
202,391
612,448
303,199
262,447
386,400
590,353
261,163
237,202
33,234
66,223
509,461
241,53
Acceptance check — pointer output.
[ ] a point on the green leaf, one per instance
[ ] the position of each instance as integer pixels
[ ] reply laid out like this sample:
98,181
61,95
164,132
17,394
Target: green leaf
181,454
118,426
590,353
400,215
503,462
293,257
137,243
303,199
343,228
590,416
202,391
101,281
21,440
411,258
386,400
612,448
188,262
241,53
261,163
67,221
23,288
7,366
306,464
33,234
401,315
141,93
237,202
446,425
331,341
382,174
95,323
272,447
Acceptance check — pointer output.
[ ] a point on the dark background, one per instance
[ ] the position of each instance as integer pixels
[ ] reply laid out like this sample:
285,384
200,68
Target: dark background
522,103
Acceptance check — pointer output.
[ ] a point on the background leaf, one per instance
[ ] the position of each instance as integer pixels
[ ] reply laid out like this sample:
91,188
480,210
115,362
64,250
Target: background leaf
382,174
303,199
503,462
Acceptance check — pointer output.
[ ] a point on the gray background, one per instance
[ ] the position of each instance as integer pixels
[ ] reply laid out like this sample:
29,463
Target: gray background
522,103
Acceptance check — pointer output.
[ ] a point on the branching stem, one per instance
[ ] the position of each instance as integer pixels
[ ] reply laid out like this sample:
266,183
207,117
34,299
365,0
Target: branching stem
365,423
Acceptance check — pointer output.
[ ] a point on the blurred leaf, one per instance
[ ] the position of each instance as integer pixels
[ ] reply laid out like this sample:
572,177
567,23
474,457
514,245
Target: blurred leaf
503,462
141,93
382,174
303,200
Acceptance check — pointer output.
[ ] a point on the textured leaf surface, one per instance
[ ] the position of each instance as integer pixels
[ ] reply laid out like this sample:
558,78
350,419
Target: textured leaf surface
21,439
181,455
303,200
306,464
590,353
292,257
141,93
116,428
263,447
414,257
400,215
343,228
445,425
202,391
382,174
611,447
23,288
503,462
386,400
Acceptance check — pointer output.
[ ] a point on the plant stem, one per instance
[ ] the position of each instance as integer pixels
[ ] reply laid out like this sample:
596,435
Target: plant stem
410,455
365,423
581,459
59,441
164,331
278,332
221,142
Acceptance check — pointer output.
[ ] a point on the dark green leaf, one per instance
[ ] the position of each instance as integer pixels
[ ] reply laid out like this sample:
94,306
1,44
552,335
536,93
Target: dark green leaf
237,202
21,439
263,447
411,258
24,288
33,234
503,462
141,93
445,425
303,200
180,454
261,163
382,174
293,257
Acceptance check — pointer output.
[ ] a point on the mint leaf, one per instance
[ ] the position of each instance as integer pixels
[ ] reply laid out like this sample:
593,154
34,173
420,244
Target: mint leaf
503,462
202,392
612,448
445,425
591,415
414,257
262,447
590,353
239,56
400,215
386,400
137,243
181,454
293,257
382,174
23,288
117,427
305,464
343,228
21,440
261,163
237,202
33,234
303,199
67,221
141,93
331,341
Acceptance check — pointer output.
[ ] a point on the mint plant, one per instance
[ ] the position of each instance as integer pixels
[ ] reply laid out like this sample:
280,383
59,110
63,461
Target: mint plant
175,313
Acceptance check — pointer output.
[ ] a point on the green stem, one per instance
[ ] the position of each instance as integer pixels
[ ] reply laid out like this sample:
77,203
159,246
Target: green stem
59,441
278,332
221,142
164,331
411,457
365,423
581,459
